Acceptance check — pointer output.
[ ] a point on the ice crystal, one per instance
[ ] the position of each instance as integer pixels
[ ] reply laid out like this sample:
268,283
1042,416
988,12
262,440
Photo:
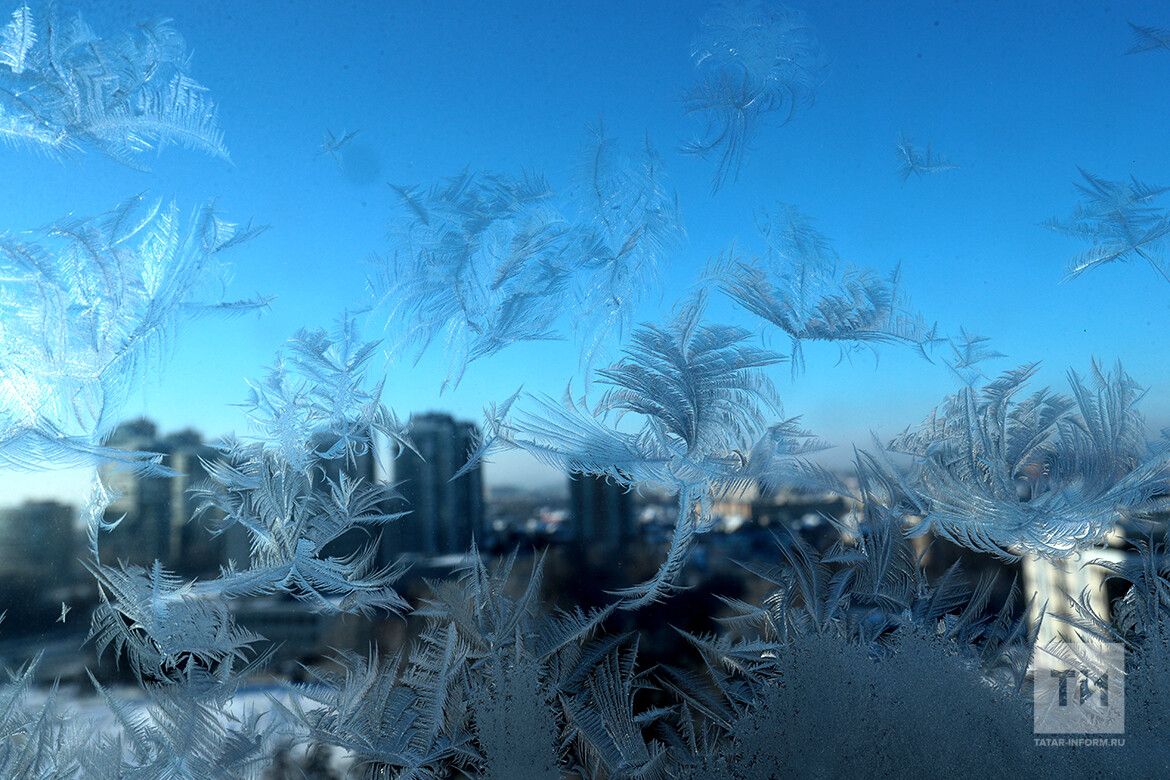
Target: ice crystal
484,260
633,216
64,88
313,410
1148,39
702,402
1045,474
1120,221
920,162
89,305
755,59
803,287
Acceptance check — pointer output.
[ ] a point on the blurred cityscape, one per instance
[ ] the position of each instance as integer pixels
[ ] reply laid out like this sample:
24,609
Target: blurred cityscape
595,535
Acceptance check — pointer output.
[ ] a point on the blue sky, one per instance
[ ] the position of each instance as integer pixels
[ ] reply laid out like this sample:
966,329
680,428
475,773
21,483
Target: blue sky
1018,94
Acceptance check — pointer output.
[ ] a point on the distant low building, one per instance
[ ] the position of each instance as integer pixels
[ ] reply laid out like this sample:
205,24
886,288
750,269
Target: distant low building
796,510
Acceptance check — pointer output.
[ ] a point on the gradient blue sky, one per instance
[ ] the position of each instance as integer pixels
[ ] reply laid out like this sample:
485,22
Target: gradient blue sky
1017,93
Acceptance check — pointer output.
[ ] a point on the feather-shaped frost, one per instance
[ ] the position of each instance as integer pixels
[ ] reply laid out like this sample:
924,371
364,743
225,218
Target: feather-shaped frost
1045,474
1148,39
604,715
868,591
857,640
757,61
496,686
404,716
701,401
968,352
316,403
1120,221
633,215
89,305
18,38
913,161
314,415
38,739
484,262
804,288
180,736
1140,619
290,521
167,633
63,88
523,659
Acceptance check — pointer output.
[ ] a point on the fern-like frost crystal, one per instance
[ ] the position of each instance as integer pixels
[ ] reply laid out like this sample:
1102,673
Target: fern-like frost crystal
914,161
88,305
630,218
1046,474
804,288
1148,39
63,88
702,404
167,633
315,416
1120,221
857,641
495,686
484,261
756,60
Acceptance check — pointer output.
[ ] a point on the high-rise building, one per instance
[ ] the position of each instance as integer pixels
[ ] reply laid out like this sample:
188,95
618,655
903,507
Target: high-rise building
39,549
38,542
602,511
444,514
158,509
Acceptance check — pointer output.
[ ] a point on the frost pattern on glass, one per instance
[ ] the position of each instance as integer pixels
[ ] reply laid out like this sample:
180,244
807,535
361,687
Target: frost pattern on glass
632,217
63,89
491,686
757,61
803,287
702,404
37,739
853,649
165,631
89,306
1148,39
857,635
313,414
915,161
1044,474
183,733
483,262
1120,221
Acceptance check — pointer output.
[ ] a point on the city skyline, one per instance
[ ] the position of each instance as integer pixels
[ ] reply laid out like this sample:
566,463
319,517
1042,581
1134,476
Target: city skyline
72,486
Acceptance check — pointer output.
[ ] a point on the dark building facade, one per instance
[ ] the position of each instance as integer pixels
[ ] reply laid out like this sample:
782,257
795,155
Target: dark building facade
158,509
38,542
39,569
444,515
602,512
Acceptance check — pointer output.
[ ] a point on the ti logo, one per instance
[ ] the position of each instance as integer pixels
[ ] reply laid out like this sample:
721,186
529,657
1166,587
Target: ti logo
1079,689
